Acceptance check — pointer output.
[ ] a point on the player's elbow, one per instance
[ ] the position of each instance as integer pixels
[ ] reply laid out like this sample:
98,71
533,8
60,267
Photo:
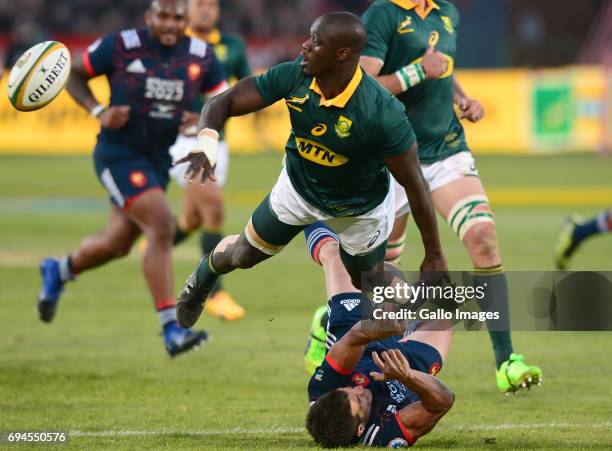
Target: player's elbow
447,402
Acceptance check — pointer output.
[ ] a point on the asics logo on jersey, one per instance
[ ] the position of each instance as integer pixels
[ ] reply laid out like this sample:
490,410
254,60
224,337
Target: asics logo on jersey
318,130
319,154
350,304
374,238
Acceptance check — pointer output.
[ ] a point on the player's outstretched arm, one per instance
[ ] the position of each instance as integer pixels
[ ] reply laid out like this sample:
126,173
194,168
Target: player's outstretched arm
435,397
407,171
77,85
243,98
347,351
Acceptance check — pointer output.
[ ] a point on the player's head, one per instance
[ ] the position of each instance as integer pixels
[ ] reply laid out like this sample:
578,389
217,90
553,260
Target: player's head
167,20
335,38
338,418
203,15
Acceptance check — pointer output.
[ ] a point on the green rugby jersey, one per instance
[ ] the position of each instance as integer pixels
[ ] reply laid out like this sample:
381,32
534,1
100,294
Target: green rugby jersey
399,33
336,149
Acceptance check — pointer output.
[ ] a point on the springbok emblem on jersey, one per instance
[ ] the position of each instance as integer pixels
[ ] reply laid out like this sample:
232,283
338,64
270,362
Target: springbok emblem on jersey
405,26
448,24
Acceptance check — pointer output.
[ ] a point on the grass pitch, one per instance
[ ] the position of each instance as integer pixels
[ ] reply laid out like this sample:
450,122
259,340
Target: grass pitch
100,373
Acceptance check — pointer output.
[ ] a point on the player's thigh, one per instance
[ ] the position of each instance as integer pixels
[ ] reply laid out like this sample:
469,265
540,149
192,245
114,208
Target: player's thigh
399,227
363,236
280,217
437,334
153,214
207,199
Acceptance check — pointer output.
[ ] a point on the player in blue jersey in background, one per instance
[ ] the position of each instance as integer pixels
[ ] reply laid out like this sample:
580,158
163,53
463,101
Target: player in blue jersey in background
155,74
575,231
376,385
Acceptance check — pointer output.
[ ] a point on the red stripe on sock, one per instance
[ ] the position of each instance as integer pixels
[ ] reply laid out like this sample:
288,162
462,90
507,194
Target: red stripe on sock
164,304
317,248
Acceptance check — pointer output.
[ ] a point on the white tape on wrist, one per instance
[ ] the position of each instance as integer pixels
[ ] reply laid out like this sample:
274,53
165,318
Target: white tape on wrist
97,110
208,141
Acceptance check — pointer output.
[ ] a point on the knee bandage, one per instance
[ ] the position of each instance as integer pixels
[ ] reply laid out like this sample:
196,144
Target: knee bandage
468,212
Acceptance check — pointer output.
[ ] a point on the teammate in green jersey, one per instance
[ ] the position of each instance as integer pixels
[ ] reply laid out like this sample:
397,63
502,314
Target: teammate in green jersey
347,134
411,50
203,204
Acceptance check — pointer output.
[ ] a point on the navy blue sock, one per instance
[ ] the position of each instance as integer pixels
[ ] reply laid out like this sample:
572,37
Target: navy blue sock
315,235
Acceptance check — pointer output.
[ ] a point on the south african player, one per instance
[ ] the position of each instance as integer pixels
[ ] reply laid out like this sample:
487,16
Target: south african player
203,204
347,134
411,49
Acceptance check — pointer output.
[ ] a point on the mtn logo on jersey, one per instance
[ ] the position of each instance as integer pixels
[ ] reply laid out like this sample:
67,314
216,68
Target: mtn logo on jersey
350,304
136,67
315,152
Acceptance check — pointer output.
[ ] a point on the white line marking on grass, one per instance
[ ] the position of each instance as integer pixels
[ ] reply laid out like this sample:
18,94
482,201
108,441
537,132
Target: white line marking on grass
118,433
510,426
294,430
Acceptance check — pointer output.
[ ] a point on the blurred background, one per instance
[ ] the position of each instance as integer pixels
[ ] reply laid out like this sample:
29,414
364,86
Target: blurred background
543,63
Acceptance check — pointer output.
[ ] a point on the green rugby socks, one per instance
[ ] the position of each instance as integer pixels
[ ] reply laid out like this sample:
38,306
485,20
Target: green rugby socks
496,299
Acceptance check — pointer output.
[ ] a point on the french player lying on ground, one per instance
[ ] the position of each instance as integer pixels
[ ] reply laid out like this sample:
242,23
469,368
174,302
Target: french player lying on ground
376,386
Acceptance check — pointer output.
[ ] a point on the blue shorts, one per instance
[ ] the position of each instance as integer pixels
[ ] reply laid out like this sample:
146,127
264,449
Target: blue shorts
126,174
346,309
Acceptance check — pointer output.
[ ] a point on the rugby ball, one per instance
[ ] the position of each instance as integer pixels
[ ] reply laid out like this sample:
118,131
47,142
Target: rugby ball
39,76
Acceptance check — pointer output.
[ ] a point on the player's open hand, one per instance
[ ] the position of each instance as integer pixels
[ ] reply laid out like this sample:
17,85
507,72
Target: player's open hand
435,64
471,109
434,269
189,123
393,366
114,117
199,169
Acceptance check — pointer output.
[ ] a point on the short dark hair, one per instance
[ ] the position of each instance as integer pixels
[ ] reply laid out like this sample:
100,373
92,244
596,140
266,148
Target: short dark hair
331,422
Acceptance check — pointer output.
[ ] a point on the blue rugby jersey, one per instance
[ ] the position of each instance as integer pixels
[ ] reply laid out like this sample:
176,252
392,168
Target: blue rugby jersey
384,427
158,83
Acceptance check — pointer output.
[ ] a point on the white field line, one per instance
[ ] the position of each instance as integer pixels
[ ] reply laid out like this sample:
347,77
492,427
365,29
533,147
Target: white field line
293,430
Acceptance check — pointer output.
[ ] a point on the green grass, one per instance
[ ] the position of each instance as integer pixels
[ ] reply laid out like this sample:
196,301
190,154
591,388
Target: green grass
100,366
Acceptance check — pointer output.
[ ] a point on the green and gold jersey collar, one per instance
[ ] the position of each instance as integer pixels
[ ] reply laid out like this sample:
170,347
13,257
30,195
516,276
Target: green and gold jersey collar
430,5
213,38
341,99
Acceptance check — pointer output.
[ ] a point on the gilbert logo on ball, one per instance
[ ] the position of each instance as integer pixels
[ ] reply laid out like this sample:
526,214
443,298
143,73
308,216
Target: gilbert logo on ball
39,76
